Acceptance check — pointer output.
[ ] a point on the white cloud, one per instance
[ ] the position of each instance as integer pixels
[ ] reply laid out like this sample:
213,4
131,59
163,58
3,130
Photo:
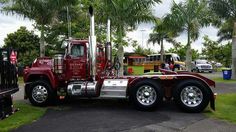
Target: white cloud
160,10
9,24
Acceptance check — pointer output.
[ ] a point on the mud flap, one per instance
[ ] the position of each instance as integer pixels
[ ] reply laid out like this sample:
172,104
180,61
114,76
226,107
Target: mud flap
27,86
212,102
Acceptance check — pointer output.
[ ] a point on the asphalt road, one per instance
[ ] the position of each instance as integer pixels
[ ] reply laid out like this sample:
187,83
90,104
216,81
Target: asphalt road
221,87
118,115
212,75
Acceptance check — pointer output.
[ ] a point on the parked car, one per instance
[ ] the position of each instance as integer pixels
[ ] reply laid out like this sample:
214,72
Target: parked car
218,64
202,66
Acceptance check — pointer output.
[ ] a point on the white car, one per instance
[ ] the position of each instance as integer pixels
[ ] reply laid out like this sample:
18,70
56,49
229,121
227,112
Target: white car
218,64
202,66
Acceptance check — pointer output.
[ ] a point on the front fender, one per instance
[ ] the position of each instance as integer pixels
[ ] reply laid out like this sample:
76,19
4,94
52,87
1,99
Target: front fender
39,73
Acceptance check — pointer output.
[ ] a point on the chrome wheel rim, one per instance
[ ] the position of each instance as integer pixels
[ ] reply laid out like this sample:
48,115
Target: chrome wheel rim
146,95
191,96
39,94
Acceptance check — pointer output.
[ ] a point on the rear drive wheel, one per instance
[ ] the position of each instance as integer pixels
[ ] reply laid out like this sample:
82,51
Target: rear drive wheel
146,95
40,93
192,96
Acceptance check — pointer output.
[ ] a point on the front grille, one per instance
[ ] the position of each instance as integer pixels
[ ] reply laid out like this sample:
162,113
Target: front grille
206,67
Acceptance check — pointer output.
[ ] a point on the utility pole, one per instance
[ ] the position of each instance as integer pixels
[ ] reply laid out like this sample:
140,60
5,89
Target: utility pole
68,22
142,30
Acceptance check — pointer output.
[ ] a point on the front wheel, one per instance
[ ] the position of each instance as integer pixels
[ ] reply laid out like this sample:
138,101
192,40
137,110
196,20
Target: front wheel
192,96
198,71
40,93
146,95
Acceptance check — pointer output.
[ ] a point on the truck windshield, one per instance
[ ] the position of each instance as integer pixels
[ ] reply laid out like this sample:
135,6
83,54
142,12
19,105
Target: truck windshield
175,57
77,50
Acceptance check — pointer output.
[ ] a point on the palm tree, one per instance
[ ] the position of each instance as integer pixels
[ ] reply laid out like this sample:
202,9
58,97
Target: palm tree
188,17
225,30
160,33
125,15
142,51
226,10
41,11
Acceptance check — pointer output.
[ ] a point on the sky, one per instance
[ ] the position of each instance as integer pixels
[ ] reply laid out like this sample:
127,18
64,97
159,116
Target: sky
9,24
160,10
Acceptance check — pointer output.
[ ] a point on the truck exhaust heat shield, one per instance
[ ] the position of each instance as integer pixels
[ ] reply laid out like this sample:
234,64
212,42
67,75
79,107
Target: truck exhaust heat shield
92,45
108,48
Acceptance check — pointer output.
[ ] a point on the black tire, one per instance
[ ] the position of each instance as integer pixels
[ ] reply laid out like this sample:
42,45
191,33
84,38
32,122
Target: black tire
210,71
195,85
146,84
198,71
51,96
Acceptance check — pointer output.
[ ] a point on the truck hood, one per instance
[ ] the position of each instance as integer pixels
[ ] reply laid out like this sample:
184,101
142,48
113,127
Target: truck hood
43,62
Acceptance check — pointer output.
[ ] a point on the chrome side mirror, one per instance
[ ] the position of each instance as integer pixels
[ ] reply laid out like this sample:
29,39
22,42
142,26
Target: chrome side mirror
64,44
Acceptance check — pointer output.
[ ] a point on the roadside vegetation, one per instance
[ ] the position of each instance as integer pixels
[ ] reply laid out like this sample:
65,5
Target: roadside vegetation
20,80
26,114
225,108
221,80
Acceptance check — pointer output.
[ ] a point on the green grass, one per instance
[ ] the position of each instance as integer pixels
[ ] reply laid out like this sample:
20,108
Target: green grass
219,69
225,108
224,81
20,80
137,70
25,115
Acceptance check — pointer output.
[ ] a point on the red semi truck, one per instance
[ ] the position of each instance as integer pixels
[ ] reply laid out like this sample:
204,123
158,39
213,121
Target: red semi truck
86,70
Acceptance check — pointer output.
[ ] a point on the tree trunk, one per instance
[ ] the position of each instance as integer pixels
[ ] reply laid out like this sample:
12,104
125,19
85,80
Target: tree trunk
42,42
188,54
120,54
162,52
234,53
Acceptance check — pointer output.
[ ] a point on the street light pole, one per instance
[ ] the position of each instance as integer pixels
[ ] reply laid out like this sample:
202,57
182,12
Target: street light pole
142,30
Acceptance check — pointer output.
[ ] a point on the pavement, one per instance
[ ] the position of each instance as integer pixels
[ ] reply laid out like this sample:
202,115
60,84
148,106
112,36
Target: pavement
20,94
107,115
221,88
117,115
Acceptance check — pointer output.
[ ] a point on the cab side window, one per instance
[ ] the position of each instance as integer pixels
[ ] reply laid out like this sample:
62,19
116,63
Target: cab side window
77,50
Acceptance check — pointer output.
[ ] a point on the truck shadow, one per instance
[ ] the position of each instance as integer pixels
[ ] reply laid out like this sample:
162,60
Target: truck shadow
110,104
107,115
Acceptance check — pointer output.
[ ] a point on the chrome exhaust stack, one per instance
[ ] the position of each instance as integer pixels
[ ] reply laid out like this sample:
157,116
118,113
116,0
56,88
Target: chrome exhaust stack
108,47
92,45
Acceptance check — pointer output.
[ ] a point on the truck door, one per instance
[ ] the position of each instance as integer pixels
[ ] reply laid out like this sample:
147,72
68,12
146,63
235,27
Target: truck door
76,62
